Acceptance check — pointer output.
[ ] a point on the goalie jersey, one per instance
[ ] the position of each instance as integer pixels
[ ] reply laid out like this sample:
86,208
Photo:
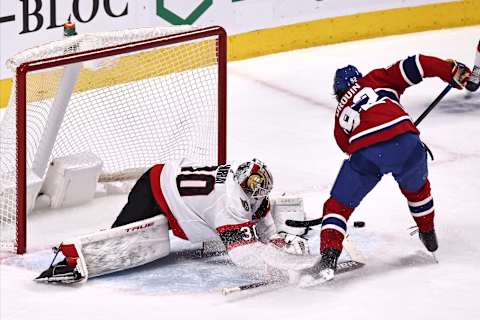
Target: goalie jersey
376,96
205,202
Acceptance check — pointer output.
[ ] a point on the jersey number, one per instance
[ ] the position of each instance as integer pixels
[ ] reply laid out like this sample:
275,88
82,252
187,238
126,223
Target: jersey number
365,99
249,233
195,184
350,117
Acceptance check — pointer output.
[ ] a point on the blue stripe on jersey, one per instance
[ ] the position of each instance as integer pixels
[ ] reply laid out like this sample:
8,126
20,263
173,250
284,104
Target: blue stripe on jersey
386,94
422,208
335,221
378,131
410,68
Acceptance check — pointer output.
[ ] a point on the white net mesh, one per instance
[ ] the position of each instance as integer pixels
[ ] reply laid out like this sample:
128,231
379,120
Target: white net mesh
132,110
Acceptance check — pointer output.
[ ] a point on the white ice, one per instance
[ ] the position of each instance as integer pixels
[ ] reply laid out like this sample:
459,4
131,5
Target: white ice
281,111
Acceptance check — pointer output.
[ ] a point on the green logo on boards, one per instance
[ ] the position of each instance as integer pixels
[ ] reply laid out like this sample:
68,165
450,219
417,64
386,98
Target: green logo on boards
174,19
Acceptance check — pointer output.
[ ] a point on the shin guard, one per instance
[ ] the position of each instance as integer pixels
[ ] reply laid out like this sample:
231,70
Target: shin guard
334,225
421,207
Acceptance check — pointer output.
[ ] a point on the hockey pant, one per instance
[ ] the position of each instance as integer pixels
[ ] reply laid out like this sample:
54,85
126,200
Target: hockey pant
141,203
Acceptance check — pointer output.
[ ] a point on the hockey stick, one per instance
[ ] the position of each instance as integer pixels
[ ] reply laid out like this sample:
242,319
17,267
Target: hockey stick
342,267
472,85
226,291
303,223
433,104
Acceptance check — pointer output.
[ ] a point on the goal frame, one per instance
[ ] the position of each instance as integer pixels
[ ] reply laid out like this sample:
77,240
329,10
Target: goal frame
21,102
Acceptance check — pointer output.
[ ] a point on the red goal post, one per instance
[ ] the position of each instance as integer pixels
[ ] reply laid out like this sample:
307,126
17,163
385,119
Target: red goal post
188,72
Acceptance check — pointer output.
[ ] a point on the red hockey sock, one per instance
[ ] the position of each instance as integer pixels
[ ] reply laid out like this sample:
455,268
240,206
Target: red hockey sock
421,207
334,224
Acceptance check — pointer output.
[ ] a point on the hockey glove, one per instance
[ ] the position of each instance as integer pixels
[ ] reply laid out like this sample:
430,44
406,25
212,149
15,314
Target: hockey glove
460,74
290,243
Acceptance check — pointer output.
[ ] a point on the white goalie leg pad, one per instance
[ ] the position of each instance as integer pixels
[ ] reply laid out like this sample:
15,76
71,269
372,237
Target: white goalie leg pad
123,247
285,208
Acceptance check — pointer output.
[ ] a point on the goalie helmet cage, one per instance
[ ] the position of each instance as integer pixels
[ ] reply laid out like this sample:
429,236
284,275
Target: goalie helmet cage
138,97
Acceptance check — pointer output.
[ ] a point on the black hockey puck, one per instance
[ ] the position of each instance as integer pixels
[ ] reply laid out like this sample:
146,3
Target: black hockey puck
359,224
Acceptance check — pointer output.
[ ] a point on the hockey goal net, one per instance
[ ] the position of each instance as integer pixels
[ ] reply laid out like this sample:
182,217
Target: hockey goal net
129,99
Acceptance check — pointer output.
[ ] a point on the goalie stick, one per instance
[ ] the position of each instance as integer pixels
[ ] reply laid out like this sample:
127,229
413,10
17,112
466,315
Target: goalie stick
342,267
357,260
227,291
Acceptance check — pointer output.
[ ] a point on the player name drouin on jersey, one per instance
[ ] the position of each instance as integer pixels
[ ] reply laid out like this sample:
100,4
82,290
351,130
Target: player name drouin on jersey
350,93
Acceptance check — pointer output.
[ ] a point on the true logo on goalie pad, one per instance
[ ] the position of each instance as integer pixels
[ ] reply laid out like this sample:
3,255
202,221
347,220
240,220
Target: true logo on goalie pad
144,226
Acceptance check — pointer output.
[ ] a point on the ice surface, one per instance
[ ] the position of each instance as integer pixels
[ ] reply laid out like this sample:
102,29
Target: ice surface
281,111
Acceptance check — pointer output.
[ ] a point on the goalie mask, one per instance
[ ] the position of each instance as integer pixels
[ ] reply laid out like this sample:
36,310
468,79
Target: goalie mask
254,178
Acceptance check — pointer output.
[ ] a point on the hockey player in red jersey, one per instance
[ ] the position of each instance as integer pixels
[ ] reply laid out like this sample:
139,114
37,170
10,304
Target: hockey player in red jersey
374,129
198,203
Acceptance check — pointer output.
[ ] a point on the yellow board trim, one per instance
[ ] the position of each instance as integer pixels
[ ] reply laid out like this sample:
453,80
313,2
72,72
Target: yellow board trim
5,89
339,29
354,27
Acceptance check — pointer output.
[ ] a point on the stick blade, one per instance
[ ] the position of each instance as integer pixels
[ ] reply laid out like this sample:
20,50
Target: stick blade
303,223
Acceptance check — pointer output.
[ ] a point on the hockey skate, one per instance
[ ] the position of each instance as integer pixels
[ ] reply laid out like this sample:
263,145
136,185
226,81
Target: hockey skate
66,271
322,271
429,240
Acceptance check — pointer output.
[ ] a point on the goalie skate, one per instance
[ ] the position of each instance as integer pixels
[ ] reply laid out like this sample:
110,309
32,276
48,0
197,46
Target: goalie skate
65,271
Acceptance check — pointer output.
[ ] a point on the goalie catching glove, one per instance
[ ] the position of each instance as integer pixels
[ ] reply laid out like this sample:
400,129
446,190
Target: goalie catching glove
290,243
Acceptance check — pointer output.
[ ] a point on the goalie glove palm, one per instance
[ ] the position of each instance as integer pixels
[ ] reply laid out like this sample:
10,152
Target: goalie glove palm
290,243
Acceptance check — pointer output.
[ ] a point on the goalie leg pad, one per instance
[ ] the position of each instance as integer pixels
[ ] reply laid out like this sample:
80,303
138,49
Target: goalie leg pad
112,250
125,247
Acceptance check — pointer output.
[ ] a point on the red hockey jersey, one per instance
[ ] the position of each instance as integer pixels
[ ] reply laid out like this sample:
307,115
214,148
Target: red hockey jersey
376,97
